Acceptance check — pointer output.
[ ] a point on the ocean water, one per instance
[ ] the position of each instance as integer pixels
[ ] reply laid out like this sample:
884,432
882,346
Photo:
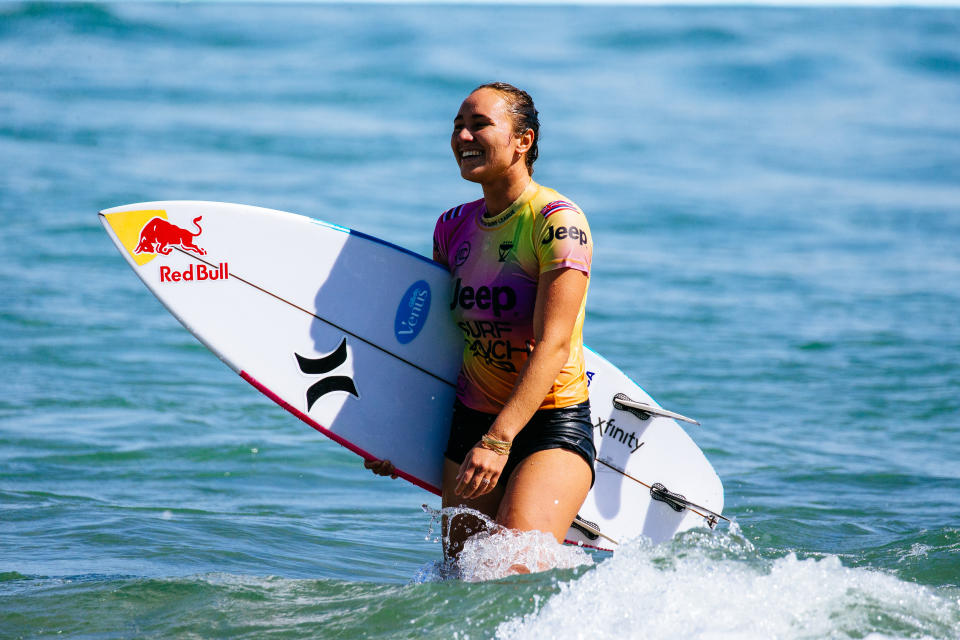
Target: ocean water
775,199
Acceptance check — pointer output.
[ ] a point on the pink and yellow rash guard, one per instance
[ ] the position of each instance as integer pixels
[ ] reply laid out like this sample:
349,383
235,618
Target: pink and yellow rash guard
495,264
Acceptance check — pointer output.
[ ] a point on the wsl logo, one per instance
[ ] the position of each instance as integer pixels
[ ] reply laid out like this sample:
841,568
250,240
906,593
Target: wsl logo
412,312
504,250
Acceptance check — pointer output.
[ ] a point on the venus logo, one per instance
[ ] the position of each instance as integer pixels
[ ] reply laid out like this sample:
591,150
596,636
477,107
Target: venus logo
412,312
326,364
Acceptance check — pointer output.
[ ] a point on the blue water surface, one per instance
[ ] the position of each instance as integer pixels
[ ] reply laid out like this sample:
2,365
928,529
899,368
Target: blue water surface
775,200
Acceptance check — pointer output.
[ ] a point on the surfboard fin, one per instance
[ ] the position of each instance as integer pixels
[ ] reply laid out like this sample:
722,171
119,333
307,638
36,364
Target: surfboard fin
590,529
674,500
678,503
587,528
644,411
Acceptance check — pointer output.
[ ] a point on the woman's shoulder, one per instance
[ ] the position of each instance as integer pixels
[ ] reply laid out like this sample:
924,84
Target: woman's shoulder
459,211
551,208
549,201
449,224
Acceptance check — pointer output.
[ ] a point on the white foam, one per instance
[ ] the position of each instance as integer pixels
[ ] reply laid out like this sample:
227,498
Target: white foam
505,552
715,586
499,552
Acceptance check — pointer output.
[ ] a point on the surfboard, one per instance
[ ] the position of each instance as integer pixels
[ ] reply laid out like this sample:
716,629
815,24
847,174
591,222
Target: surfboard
353,336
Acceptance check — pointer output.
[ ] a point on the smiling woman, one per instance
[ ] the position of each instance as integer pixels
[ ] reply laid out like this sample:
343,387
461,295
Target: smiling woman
523,116
521,440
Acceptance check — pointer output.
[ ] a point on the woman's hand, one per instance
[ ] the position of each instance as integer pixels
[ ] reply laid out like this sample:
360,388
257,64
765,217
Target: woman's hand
479,472
381,467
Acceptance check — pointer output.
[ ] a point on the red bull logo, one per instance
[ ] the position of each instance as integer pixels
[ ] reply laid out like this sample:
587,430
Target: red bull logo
195,273
147,234
162,236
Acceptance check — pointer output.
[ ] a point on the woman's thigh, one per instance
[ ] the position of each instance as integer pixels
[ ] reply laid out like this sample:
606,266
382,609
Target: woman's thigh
545,492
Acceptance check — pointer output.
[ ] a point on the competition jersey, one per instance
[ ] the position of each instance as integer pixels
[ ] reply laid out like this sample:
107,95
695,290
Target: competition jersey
495,264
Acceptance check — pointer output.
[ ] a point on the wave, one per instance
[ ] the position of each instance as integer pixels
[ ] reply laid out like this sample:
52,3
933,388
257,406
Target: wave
718,586
701,585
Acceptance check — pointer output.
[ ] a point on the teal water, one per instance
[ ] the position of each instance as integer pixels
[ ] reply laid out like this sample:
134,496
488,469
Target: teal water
775,199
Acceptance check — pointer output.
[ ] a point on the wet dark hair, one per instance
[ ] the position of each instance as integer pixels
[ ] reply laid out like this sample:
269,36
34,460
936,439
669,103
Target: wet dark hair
525,115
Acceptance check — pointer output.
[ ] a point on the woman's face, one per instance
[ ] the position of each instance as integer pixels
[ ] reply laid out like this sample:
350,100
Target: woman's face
483,140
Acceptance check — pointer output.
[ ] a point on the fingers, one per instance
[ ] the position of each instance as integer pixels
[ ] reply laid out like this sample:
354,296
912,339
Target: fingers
475,479
481,486
484,487
381,467
471,489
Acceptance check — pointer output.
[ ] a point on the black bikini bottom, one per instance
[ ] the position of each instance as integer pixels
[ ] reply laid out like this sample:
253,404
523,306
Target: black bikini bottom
565,428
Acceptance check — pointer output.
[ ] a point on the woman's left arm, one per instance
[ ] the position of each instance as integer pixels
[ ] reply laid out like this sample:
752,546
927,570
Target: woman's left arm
559,296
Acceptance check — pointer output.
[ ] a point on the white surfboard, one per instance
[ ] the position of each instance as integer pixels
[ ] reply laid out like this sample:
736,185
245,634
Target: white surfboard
353,336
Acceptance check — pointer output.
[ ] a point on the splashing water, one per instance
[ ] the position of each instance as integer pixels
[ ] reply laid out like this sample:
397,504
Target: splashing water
498,552
716,585
502,552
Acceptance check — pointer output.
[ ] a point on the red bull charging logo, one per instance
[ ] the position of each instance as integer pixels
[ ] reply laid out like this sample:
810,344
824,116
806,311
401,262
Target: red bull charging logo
148,234
160,236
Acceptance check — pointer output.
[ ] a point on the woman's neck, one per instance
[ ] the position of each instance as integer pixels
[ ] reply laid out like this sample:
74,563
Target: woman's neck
499,195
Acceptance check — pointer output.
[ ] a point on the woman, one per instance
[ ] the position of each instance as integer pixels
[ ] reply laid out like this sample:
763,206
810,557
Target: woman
521,440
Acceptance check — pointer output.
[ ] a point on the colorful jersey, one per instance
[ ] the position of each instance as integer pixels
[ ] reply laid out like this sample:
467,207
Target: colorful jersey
495,264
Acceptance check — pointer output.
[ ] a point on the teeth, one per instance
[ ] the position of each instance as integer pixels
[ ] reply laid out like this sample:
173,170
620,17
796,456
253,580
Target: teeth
469,154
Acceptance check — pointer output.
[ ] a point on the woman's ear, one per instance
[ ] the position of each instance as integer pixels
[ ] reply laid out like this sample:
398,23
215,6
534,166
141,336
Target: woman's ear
526,141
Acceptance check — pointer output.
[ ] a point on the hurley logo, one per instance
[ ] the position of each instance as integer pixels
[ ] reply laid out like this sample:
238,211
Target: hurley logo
326,364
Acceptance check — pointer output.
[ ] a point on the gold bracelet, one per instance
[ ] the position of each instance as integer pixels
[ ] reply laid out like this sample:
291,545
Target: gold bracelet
500,447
